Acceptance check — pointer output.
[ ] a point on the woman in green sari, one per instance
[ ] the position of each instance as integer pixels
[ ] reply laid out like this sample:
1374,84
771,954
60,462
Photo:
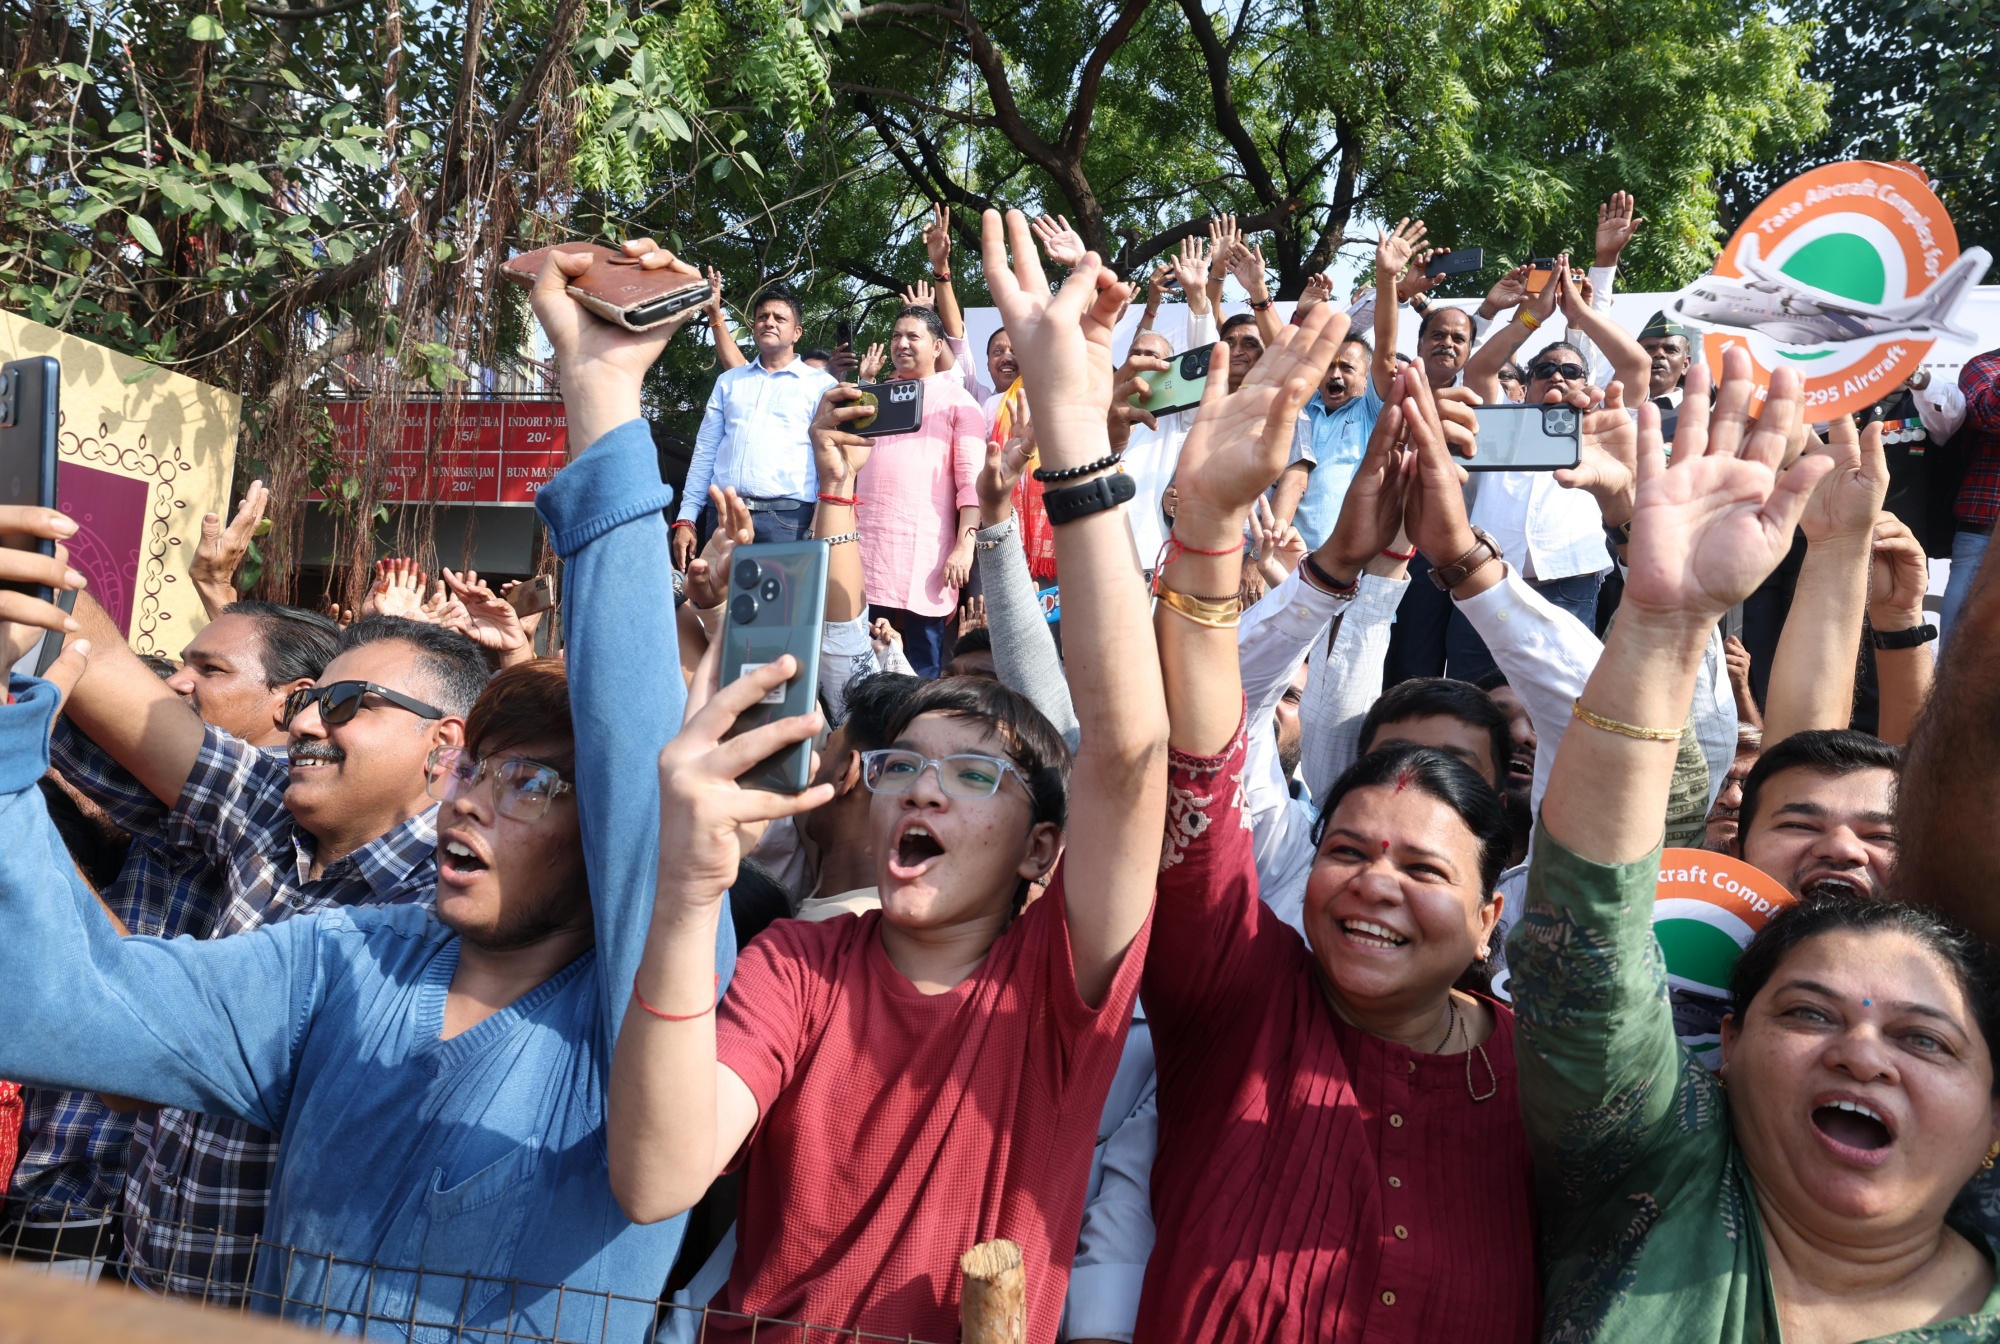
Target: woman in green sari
1802,1195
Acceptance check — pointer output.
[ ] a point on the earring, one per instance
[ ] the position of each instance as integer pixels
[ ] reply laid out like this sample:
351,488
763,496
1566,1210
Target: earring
1986,1163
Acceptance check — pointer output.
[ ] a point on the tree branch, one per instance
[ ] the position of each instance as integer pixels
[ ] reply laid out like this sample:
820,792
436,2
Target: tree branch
1076,129
897,95
297,15
1215,58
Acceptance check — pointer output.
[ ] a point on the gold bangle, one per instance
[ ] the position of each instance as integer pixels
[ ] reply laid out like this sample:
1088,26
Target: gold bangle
1221,615
1632,730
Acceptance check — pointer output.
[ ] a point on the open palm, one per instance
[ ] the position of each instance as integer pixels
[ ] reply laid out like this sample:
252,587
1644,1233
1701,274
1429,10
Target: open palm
1711,527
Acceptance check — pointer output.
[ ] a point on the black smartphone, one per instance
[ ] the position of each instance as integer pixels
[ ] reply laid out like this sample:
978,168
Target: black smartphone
1456,262
1514,436
843,335
899,408
30,403
777,600
1180,386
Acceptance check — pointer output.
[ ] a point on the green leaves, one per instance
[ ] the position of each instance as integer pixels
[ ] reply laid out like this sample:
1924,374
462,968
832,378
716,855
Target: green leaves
205,28
143,234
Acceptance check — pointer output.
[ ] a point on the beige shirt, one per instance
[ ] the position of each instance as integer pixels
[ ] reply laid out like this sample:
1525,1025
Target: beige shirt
815,909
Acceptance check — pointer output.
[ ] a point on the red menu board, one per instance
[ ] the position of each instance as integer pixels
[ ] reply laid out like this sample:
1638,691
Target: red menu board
488,452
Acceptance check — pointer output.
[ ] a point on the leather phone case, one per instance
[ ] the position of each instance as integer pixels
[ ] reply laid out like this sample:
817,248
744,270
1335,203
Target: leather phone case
618,289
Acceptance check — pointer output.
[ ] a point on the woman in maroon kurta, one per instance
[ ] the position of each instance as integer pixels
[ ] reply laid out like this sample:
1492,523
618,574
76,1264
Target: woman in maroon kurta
1341,1152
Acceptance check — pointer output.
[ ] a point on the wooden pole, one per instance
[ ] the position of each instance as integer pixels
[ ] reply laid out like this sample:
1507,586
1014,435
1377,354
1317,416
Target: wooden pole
38,1309
993,1298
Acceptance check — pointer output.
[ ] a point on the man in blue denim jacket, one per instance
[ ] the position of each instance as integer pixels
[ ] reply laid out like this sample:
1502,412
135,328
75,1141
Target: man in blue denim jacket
436,1109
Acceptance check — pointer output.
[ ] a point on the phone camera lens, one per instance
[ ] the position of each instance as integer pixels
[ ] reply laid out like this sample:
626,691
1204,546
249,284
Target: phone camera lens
1559,420
747,573
744,609
770,591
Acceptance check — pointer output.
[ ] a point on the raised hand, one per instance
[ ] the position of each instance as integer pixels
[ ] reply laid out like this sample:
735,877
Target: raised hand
1222,240
1416,279
1241,440
1543,305
884,636
489,620
220,552
1371,513
1063,341
1247,265
1711,527
1434,497
920,295
872,363
972,616
937,239
1395,247
1508,291
398,590
708,574
838,452
1319,289
1616,223
1849,498
1132,386
1608,455
1156,287
715,304
1899,574
1005,464
600,364
1190,265
533,620
1063,244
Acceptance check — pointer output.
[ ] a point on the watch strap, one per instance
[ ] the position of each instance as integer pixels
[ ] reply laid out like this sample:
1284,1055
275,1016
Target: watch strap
1903,639
1093,496
1484,551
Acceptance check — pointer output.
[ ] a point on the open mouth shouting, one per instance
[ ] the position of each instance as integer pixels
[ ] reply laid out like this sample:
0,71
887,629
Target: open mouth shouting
1367,933
1831,882
1856,1131
916,851
460,858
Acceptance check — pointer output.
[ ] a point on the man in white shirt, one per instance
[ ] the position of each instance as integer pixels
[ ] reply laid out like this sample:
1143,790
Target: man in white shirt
753,435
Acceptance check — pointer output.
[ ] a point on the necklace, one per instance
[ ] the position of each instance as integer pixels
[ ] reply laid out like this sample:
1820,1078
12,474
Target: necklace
1492,1079
1450,1022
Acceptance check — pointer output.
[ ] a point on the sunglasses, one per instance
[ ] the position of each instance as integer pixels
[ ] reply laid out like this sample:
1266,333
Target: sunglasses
522,789
967,775
1548,372
341,701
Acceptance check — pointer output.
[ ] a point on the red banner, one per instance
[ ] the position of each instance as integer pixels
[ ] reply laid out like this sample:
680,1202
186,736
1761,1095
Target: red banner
498,452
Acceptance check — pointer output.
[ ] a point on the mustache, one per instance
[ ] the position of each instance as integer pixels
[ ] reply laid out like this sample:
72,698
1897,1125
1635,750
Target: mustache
315,750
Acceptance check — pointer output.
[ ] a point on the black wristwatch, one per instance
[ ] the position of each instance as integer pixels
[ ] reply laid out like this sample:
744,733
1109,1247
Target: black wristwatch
1911,638
1093,496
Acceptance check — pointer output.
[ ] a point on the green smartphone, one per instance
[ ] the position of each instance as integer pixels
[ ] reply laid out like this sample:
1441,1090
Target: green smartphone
1180,387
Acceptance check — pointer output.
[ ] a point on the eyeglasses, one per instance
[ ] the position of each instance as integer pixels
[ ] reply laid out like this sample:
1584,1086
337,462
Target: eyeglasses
522,789
341,701
1548,372
966,775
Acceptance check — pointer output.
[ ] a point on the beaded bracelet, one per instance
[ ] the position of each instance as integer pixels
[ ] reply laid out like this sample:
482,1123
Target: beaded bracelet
1105,463
840,540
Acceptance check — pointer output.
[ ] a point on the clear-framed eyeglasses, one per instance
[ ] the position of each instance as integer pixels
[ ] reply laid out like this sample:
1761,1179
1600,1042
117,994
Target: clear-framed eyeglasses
522,789
965,775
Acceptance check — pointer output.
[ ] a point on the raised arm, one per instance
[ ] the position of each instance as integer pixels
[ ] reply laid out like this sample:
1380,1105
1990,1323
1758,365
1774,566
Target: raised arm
1118,786
839,456
937,243
120,705
1482,369
1024,652
727,352
1630,364
1393,252
1898,577
1246,263
221,550
1812,671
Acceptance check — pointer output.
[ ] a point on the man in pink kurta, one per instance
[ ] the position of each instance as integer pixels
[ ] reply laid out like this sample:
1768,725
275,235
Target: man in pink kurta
920,504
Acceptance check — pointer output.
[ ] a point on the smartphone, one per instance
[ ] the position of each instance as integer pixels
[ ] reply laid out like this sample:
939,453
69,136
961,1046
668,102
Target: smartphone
1180,386
537,594
1541,270
1456,262
617,288
30,401
899,408
1518,437
777,599
843,335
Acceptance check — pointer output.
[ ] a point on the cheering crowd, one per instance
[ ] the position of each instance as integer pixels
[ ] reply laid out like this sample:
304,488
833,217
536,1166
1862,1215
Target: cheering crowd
1265,946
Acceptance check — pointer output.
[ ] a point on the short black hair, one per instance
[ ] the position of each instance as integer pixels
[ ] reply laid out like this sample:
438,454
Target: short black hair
976,640
1438,310
998,332
1846,912
873,702
1491,681
781,294
824,356
454,665
927,315
1025,733
1233,323
1543,353
1444,777
298,644
1422,697
1824,751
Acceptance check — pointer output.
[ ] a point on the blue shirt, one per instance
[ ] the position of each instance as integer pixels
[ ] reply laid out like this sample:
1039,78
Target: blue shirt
753,435
1339,439
482,1158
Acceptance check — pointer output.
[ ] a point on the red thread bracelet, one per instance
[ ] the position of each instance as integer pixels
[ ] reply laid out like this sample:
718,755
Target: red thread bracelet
1173,548
671,1017
1400,555
681,522
851,501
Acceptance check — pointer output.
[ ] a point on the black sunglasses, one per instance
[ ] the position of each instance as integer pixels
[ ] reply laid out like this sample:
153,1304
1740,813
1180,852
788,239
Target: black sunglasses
340,701
1545,372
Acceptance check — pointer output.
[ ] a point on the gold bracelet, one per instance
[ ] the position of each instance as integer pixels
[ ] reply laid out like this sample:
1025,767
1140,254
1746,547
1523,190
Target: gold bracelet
1528,319
1221,615
1623,729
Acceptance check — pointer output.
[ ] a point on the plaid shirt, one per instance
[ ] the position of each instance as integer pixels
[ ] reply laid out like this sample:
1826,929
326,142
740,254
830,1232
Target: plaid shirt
73,1149
198,1184
1979,496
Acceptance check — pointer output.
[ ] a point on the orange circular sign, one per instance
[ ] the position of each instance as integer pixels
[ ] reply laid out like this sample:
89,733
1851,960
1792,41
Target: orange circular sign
1848,273
1706,909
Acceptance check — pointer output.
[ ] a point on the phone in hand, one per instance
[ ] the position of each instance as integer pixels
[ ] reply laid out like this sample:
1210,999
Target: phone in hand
843,335
1541,270
899,408
1516,436
1456,262
617,288
536,594
777,600
1180,386
30,405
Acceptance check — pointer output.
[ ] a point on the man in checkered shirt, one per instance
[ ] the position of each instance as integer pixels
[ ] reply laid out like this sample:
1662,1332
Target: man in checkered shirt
345,820
1978,504
236,674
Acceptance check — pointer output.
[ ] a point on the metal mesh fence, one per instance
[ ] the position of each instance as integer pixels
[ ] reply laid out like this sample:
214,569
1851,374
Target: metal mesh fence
354,1297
